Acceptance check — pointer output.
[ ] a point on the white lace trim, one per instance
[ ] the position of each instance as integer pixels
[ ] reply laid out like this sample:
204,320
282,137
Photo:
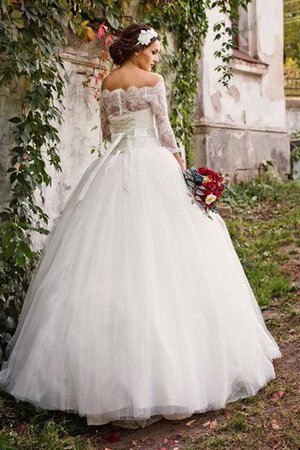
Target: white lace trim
121,101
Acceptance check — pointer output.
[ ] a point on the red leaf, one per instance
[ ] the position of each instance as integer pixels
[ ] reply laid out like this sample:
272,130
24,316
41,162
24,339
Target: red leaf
113,437
277,395
102,30
108,40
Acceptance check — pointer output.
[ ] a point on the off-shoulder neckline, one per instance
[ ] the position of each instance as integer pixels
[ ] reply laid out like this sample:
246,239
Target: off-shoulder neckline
131,88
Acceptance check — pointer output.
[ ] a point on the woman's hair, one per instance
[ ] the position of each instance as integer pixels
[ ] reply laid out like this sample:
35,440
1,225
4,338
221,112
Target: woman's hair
127,43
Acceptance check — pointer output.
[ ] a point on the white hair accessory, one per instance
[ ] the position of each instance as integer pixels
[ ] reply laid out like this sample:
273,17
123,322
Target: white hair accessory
145,36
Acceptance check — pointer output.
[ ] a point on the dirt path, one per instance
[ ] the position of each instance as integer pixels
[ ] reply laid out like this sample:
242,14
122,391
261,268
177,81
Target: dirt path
263,422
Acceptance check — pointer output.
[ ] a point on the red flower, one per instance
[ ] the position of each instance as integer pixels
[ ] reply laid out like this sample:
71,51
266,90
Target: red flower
208,189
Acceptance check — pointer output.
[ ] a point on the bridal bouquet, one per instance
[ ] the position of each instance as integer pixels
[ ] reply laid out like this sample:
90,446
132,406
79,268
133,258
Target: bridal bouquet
205,186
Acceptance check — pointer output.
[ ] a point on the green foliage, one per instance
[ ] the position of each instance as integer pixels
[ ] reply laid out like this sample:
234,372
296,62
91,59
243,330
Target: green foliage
225,31
94,11
292,30
236,424
31,35
50,436
295,153
188,22
31,38
14,282
266,217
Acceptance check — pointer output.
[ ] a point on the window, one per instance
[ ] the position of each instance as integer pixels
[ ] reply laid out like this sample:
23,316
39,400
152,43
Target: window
246,39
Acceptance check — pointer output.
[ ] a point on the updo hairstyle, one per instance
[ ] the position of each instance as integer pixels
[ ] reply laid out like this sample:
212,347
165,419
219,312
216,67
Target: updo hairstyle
127,43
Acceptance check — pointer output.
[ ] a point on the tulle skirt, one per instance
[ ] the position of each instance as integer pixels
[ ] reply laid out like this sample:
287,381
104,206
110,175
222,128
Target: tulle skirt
139,305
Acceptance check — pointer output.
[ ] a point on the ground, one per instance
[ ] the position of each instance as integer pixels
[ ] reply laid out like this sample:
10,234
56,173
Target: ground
264,221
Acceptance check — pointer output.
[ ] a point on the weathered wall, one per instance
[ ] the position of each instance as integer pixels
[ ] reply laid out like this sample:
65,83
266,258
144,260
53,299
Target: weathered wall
292,114
81,114
237,128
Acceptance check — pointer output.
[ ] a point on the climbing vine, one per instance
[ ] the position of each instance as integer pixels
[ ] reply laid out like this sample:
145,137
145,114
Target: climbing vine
32,33
188,22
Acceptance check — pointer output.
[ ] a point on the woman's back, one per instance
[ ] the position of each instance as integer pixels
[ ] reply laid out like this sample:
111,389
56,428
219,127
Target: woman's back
117,101
126,77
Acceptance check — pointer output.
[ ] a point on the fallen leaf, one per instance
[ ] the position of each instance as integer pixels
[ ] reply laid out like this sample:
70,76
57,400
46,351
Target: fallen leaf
113,437
134,443
275,424
190,422
211,424
277,395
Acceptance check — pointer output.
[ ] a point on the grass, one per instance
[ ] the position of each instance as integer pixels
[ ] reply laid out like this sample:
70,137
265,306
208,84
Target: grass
49,435
265,218
264,224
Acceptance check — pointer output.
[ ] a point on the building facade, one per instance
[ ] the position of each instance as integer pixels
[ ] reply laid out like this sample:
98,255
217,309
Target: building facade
239,128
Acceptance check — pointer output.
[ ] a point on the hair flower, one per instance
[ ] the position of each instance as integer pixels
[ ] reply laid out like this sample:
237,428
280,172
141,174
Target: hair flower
145,36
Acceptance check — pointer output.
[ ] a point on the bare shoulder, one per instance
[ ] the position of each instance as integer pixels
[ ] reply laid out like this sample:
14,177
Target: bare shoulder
154,78
108,81
124,79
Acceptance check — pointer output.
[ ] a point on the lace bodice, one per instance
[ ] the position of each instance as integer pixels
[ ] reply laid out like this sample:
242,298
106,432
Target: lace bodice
121,101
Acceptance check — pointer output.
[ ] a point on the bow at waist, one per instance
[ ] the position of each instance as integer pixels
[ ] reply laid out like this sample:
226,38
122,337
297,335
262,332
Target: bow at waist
126,137
121,142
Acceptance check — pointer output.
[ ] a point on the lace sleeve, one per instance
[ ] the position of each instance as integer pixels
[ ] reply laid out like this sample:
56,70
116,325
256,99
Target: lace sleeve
157,99
105,127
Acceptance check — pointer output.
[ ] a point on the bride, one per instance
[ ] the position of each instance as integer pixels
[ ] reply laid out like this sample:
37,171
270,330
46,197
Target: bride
139,307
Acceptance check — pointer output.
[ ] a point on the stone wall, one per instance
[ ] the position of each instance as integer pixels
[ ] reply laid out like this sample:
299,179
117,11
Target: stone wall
293,114
81,115
238,128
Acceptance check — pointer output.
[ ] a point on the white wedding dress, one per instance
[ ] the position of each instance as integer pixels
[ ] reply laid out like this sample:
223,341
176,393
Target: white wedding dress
139,306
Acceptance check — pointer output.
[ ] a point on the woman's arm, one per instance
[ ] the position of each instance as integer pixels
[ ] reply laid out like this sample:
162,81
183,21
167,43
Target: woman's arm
157,98
178,158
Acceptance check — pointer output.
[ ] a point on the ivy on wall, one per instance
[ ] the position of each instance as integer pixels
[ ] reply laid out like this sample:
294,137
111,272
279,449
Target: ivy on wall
32,33
188,22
